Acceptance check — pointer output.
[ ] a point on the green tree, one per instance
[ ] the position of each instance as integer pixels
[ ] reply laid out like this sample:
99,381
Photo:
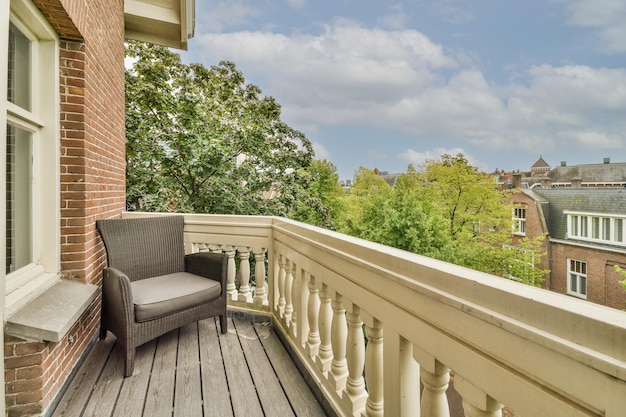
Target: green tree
449,211
203,140
325,195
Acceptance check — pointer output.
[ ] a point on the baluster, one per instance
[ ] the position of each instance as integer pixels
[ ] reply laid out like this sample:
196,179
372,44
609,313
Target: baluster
281,286
296,297
313,308
215,248
476,403
244,274
356,396
231,289
338,334
325,354
435,378
260,294
374,368
289,267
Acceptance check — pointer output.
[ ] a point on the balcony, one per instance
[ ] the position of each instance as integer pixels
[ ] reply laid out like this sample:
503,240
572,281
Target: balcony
369,325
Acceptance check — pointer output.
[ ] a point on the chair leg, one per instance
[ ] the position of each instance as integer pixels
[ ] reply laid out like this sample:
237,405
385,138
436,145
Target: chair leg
224,324
129,363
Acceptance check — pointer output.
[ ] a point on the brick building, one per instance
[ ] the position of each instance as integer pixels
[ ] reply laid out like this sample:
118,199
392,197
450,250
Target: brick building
62,98
586,240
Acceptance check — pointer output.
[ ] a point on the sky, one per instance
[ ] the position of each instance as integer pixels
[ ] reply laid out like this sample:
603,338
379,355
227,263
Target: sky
384,84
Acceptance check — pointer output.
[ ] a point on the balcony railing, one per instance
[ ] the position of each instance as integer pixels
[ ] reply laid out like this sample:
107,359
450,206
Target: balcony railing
370,322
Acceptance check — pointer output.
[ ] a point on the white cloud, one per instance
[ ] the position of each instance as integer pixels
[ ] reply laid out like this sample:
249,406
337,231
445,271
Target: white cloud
399,80
607,16
419,158
453,12
297,4
396,18
227,14
320,151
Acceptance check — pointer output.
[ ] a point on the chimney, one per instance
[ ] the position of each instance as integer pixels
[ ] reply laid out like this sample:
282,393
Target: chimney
607,160
546,182
563,163
517,180
577,182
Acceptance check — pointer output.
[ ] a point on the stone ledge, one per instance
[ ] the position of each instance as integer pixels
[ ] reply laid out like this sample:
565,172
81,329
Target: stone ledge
51,315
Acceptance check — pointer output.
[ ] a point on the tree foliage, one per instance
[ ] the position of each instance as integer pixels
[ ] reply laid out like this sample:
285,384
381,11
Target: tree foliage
203,140
448,210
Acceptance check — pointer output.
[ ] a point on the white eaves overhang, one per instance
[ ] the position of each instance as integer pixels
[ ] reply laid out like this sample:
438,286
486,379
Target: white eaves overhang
164,22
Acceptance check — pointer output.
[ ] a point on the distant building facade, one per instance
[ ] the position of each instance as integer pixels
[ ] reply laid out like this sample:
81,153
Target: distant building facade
582,210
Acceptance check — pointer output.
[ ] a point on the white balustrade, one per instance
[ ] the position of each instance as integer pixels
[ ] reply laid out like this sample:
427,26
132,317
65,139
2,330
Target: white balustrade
245,294
260,293
507,343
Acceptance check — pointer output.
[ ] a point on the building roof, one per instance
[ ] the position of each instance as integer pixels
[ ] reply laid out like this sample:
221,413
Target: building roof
590,173
541,163
590,200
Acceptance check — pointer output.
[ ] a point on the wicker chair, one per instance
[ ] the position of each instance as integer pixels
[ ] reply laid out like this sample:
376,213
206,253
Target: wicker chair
151,287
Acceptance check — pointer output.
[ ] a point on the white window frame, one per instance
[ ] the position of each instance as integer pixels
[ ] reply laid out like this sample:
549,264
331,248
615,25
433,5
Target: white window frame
43,121
597,227
519,222
580,276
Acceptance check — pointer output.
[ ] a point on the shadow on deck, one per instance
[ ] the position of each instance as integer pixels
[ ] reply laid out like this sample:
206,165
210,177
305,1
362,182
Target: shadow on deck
193,371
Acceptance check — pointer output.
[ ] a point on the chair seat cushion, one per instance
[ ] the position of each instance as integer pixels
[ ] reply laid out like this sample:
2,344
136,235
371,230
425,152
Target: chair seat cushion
163,295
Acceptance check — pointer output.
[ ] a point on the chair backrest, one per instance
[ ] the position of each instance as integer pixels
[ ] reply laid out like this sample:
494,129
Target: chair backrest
144,247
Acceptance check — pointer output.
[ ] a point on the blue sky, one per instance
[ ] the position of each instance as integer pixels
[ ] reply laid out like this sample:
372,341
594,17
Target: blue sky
383,84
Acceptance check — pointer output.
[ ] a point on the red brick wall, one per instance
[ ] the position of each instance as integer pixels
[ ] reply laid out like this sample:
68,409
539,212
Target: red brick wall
534,228
602,280
92,184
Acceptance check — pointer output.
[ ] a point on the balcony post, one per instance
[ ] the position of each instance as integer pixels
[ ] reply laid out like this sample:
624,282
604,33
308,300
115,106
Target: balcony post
374,406
313,308
296,297
289,267
231,289
338,337
281,286
355,395
476,403
435,378
244,274
401,377
260,294
325,319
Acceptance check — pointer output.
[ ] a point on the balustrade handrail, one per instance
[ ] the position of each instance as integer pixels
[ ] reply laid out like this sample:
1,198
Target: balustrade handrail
539,352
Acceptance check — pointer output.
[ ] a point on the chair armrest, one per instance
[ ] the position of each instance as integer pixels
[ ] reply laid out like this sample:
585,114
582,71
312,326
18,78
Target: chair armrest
117,296
208,265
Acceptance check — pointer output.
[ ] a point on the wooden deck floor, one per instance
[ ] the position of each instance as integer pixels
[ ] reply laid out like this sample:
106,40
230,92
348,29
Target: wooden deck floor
193,372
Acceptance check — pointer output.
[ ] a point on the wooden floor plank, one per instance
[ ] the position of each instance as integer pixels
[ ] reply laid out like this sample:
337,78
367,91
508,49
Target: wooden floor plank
107,387
214,384
271,394
160,396
75,398
242,390
188,396
133,393
299,394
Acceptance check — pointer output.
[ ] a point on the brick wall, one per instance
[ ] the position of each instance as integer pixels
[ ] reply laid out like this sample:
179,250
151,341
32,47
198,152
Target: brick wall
602,280
534,228
92,184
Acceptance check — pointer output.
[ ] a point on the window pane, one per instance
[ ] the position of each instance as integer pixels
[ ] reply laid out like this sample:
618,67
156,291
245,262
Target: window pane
595,227
574,225
618,227
18,198
19,85
583,226
606,228
583,285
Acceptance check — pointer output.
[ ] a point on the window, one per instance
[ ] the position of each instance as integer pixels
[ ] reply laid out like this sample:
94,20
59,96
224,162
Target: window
31,126
608,229
577,278
519,221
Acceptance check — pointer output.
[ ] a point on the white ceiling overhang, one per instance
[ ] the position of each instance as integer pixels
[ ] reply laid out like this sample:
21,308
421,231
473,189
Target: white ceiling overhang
163,22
